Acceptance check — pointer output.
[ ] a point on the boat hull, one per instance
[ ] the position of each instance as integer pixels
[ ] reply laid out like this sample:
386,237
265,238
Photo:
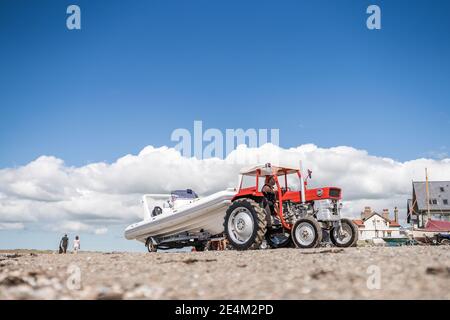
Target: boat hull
206,214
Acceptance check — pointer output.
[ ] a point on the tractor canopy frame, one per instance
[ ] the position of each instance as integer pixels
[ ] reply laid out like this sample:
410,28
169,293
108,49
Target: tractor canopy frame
305,195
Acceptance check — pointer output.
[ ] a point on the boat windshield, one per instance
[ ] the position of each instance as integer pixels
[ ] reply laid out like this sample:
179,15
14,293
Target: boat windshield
184,194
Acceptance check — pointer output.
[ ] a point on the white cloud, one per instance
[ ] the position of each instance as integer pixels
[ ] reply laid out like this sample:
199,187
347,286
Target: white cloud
100,231
71,226
11,226
441,153
90,197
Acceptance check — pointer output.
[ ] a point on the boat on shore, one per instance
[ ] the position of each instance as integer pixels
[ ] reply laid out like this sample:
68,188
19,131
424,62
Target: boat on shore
399,241
183,212
432,228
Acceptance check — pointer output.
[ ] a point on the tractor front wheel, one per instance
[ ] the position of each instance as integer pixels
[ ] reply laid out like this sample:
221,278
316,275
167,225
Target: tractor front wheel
346,236
306,233
245,224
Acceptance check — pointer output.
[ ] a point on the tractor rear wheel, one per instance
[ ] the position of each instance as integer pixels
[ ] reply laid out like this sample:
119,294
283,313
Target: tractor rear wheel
306,233
347,237
445,242
245,224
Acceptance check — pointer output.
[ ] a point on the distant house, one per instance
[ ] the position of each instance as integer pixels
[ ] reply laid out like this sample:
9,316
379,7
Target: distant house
373,225
436,208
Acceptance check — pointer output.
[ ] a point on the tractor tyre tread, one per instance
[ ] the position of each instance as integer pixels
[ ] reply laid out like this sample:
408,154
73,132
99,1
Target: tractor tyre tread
260,222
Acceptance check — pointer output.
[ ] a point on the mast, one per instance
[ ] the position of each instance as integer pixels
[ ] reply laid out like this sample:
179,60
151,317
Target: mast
428,193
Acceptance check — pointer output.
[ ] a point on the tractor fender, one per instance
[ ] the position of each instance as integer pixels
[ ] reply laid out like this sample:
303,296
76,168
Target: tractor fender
257,199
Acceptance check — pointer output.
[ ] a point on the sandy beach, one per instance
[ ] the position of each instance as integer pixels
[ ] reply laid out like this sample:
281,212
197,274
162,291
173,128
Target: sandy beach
327,273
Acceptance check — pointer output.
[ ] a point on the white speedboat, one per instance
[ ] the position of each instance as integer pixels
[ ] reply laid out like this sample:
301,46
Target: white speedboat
183,216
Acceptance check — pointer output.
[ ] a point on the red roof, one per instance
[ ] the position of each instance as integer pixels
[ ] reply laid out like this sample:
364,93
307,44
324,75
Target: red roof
359,223
437,225
392,223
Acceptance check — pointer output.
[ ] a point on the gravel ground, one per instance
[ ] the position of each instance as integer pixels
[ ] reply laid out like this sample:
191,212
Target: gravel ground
421,272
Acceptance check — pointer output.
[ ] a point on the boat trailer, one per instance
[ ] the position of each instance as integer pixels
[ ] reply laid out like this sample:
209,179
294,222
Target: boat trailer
197,240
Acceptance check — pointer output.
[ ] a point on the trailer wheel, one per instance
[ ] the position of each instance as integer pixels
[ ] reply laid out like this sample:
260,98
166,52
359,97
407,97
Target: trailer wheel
349,235
306,233
201,246
245,224
150,246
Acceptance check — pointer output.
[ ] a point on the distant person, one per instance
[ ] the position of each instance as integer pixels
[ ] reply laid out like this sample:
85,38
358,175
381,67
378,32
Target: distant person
63,244
76,244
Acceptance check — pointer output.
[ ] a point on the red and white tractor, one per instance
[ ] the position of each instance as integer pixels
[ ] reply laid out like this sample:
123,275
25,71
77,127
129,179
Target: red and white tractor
300,215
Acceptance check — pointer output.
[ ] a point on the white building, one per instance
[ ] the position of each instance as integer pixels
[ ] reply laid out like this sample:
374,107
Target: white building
373,225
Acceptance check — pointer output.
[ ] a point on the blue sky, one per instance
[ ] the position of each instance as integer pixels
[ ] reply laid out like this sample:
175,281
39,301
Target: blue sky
136,71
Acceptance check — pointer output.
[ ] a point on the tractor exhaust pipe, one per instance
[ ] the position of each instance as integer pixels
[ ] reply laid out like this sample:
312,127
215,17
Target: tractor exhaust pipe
302,184
302,181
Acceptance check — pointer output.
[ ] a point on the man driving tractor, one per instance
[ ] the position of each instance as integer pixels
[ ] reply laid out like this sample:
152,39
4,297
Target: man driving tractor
270,198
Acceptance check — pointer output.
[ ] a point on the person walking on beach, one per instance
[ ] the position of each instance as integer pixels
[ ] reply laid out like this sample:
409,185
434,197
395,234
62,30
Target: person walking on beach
63,244
76,244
